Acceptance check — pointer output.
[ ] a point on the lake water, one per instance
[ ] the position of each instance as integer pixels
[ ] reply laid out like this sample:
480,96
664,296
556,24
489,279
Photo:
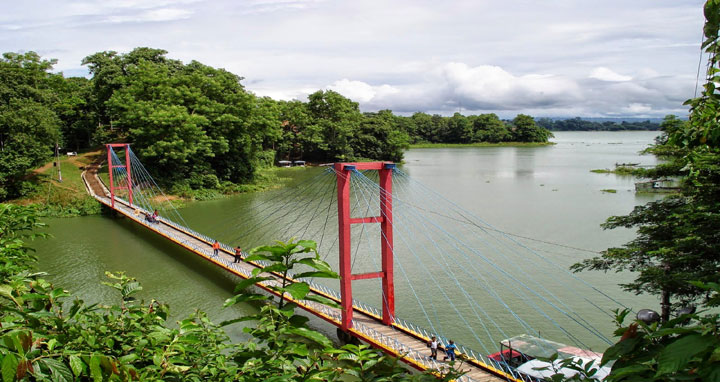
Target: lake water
534,198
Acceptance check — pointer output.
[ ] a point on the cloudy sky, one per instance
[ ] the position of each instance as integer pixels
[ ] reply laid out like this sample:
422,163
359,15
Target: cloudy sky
608,58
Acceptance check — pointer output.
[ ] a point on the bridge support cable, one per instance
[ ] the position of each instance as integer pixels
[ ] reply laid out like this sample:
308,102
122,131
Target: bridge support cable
512,282
483,282
138,182
577,317
565,308
152,186
239,224
427,271
292,206
464,213
320,205
139,197
529,289
419,222
506,245
444,267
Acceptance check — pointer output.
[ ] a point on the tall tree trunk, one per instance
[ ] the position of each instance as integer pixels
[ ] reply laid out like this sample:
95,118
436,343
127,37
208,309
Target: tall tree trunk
665,297
665,304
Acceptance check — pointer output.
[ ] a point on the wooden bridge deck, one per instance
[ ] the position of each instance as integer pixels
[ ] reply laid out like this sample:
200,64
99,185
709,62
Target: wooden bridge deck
401,339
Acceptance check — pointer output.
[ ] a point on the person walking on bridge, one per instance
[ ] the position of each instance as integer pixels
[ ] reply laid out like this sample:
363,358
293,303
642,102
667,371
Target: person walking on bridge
238,254
450,351
433,347
216,248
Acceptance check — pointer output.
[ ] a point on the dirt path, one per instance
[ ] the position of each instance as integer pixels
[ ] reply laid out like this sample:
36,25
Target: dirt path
42,169
92,180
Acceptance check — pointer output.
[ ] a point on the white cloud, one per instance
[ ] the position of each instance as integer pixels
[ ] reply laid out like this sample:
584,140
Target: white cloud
491,87
355,90
360,91
605,74
637,108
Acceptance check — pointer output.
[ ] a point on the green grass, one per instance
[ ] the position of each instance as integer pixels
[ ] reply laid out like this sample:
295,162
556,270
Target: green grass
478,144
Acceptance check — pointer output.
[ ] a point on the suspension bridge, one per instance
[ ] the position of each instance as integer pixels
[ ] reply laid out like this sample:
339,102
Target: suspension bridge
387,236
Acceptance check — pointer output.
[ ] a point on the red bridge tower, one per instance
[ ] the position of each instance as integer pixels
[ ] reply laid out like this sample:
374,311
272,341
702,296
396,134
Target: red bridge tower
344,172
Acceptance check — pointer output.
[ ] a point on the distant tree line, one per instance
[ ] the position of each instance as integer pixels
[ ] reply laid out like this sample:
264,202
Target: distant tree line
579,124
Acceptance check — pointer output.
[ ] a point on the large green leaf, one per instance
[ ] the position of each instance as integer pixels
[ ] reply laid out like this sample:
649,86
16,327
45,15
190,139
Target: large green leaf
6,290
317,274
242,298
9,367
248,282
322,300
310,244
311,335
298,290
316,264
77,366
276,267
630,370
95,371
131,288
241,319
676,355
276,252
60,372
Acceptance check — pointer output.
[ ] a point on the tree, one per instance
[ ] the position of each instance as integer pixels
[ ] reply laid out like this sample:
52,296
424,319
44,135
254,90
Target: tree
423,127
489,128
299,135
676,242
459,129
29,127
524,129
379,139
75,112
195,123
336,117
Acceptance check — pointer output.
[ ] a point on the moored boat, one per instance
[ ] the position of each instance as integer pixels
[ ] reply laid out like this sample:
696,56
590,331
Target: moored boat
534,358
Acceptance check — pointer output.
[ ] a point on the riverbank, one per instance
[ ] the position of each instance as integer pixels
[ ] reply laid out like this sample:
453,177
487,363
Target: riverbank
478,144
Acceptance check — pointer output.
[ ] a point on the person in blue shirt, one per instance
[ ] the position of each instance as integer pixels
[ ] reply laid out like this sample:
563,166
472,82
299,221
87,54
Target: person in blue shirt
450,351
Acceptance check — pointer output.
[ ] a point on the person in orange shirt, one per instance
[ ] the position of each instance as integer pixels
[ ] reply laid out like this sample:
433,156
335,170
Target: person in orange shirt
216,248
238,254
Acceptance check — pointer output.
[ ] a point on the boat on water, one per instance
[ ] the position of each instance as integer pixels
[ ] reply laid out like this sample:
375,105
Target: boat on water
527,355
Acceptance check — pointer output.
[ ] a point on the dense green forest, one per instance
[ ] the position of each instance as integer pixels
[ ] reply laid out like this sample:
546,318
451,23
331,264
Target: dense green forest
197,126
579,124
